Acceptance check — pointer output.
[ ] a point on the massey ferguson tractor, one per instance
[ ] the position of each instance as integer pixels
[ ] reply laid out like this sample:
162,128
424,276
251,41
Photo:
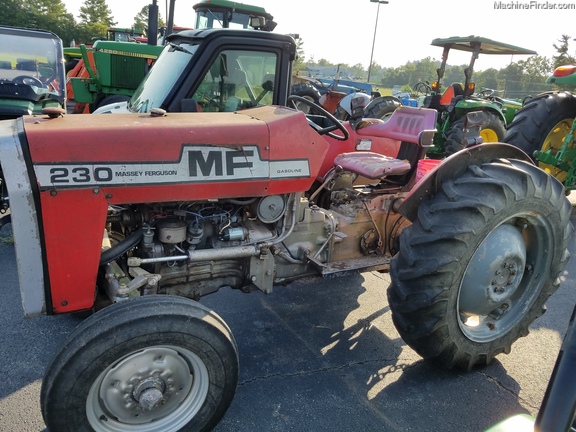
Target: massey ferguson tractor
136,217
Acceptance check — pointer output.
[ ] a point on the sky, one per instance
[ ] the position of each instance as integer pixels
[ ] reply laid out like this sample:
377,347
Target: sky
342,31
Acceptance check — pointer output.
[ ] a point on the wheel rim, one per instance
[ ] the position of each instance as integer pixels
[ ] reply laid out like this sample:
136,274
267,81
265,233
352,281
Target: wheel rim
504,277
157,389
554,142
489,135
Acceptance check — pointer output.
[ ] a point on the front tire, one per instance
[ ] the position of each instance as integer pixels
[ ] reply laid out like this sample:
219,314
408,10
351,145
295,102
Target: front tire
154,364
477,265
542,124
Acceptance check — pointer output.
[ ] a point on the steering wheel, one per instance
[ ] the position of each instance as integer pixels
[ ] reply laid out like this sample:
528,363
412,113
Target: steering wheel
486,93
423,87
336,124
28,80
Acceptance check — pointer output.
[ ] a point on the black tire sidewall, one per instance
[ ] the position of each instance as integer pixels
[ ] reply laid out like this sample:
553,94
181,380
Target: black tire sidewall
63,400
428,270
536,119
306,90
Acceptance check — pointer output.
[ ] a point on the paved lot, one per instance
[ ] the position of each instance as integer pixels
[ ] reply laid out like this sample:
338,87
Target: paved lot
315,356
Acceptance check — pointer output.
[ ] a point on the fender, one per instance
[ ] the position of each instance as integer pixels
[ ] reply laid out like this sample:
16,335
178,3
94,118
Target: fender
453,167
467,105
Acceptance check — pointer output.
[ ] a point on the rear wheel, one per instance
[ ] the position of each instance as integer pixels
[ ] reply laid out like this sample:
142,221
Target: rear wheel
155,364
492,130
382,107
477,265
542,124
307,91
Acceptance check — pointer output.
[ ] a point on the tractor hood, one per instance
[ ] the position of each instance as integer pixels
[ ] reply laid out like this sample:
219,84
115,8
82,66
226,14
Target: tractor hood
179,155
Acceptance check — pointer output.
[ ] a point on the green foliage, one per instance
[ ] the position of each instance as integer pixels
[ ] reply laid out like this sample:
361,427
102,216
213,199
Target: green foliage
88,33
563,57
300,60
39,14
13,13
141,20
96,12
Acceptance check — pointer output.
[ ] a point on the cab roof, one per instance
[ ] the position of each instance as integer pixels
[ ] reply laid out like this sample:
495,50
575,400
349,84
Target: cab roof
487,46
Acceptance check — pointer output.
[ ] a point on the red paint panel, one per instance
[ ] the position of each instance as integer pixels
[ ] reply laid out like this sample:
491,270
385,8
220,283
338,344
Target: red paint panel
73,224
137,137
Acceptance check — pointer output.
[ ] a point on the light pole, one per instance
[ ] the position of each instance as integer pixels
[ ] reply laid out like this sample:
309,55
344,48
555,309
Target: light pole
375,27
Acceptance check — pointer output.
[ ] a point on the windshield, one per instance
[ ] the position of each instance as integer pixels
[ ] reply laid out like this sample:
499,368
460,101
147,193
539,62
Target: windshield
31,64
162,78
215,19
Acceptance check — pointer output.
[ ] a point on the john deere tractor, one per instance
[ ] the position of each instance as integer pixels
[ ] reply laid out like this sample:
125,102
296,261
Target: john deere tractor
545,128
457,99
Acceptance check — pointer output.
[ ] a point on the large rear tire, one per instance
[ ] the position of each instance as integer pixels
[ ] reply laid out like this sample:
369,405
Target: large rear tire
477,265
307,91
382,107
542,125
155,364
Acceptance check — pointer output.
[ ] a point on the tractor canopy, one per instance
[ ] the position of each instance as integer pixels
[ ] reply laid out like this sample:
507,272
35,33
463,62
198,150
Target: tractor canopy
31,72
485,45
475,45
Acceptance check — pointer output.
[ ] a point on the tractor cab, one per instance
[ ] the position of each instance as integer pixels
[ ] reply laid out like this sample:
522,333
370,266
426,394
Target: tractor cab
231,14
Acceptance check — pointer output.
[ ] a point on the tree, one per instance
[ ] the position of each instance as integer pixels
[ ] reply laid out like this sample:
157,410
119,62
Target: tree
512,78
51,15
300,57
487,79
13,13
423,70
95,19
141,20
96,12
563,58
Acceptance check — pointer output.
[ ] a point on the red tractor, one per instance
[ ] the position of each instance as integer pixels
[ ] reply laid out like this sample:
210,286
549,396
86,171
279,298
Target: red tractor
135,217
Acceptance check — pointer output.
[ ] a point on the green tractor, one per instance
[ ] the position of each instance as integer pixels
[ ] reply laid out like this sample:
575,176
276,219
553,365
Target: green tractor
231,14
114,68
545,128
31,72
458,99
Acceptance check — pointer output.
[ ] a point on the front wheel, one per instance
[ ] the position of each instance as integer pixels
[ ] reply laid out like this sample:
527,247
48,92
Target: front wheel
153,364
477,265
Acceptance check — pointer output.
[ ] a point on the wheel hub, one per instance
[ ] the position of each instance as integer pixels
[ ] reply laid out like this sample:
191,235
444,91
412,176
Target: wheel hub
494,273
149,392
146,385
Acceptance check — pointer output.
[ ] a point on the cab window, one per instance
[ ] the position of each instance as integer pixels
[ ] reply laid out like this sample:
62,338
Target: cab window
237,79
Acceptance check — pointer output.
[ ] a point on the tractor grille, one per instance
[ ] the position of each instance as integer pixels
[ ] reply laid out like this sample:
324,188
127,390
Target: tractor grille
127,72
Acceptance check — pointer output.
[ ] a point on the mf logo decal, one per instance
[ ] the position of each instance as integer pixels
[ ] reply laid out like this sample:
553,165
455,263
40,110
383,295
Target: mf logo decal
197,164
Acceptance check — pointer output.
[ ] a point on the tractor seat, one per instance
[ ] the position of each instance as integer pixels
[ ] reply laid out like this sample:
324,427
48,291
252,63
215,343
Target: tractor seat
456,89
372,165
